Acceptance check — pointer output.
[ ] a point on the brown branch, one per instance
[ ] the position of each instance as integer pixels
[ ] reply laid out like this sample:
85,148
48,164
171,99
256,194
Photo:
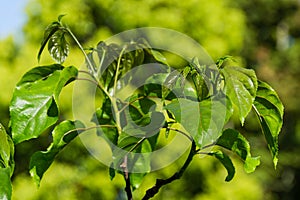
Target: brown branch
161,182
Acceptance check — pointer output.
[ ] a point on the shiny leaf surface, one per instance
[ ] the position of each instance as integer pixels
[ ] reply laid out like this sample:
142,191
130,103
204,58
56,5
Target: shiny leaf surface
269,110
33,107
240,87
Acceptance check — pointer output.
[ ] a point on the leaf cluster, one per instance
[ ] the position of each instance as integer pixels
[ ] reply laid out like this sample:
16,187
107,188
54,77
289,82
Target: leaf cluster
196,101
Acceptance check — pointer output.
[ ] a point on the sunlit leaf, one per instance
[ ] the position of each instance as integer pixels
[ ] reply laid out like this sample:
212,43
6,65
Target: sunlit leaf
227,163
5,184
269,109
33,107
203,120
62,134
4,147
159,57
240,87
237,143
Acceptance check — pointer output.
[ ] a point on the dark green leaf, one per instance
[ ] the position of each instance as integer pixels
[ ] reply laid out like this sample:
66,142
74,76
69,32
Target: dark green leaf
227,163
62,134
5,184
50,30
240,87
58,47
269,109
33,107
235,142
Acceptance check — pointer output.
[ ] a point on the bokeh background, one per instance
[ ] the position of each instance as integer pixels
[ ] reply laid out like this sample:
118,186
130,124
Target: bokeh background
261,34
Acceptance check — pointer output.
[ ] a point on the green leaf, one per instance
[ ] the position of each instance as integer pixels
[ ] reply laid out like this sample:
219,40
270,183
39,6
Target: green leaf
4,147
50,30
203,120
269,109
133,153
227,163
33,107
159,57
240,87
58,47
62,134
237,143
223,59
5,184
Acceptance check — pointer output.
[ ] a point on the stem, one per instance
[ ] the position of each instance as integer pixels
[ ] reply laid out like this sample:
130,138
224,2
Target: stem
127,178
113,99
183,133
89,80
161,182
89,65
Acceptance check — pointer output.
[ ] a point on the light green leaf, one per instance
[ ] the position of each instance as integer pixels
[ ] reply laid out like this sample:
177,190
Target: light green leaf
58,47
159,57
240,87
237,143
5,184
227,163
203,120
33,107
62,134
269,109
4,147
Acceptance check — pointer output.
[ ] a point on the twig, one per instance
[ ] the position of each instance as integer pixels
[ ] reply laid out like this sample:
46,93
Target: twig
161,182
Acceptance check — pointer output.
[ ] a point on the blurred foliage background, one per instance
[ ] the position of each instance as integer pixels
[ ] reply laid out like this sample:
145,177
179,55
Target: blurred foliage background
260,34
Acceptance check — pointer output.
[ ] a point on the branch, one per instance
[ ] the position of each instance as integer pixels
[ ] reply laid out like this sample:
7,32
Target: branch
127,178
161,182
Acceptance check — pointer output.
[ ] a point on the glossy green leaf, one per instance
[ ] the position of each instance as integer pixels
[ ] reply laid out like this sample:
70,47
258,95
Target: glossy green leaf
237,143
62,134
33,107
5,184
227,163
269,109
58,47
240,87
203,120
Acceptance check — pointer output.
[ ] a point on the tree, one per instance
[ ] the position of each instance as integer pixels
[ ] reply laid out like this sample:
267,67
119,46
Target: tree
133,124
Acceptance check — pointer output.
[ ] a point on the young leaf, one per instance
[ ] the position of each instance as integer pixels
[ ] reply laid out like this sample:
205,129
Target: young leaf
63,134
227,163
5,184
269,110
50,30
240,87
58,47
33,107
235,142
